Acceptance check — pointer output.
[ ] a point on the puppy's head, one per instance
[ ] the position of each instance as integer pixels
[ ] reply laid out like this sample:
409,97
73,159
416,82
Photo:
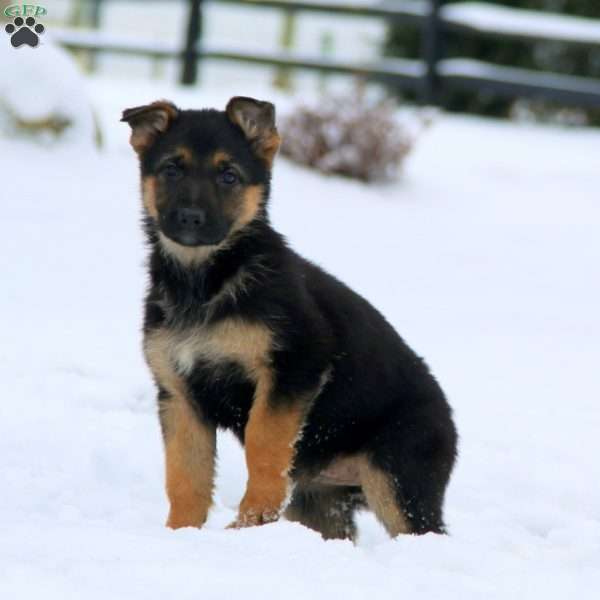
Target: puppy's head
205,173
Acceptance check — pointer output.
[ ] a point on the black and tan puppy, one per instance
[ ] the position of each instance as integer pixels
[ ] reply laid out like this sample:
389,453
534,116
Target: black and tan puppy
335,412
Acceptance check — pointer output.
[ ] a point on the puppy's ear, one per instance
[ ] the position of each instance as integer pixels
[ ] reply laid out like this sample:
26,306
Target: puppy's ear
257,120
148,122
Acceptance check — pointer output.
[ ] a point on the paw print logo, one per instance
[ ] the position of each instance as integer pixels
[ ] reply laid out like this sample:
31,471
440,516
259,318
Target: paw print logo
24,32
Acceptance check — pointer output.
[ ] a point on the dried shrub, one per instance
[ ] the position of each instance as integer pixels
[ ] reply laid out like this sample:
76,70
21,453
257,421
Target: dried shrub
350,136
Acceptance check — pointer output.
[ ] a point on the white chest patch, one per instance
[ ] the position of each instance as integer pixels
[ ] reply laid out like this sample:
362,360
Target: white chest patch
184,354
247,344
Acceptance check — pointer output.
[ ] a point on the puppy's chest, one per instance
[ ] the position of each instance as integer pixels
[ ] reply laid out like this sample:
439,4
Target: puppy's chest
230,341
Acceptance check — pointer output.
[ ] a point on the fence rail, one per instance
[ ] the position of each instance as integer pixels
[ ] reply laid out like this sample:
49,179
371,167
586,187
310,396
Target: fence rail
430,77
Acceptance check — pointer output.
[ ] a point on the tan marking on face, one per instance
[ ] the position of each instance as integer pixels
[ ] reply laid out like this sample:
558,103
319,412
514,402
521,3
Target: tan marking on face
186,255
241,211
149,185
219,157
382,499
186,155
247,208
189,442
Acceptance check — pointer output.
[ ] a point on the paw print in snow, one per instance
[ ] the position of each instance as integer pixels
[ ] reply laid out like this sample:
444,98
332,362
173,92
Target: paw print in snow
24,32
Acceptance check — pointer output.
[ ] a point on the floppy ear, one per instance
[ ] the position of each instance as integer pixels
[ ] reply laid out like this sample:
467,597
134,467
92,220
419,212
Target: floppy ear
149,121
257,120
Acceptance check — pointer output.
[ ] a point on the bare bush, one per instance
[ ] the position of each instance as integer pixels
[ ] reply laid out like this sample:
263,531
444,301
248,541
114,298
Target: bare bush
349,136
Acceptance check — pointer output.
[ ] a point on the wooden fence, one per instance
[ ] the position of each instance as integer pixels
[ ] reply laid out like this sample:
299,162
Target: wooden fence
429,77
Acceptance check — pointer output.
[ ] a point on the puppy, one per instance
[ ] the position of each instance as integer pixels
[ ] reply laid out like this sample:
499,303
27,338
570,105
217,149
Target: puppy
334,410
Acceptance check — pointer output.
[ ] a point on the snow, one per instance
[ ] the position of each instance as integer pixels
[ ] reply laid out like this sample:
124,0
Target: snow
492,238
525,23
79,38
40,94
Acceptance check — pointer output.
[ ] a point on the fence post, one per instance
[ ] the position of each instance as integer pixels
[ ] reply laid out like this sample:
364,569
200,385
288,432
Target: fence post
432,52
95,17
189,71
286,42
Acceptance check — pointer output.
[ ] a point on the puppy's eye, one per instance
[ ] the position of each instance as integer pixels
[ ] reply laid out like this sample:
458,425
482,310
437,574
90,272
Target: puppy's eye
229,177
171,170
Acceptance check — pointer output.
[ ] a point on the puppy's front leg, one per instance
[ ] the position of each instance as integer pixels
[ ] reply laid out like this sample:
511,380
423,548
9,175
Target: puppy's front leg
190,440
270,435
190,447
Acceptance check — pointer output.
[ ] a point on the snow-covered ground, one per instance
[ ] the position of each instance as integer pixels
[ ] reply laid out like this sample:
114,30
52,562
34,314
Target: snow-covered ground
493,237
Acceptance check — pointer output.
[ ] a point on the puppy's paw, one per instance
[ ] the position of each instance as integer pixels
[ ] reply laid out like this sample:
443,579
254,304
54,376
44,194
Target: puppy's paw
251,517
179,519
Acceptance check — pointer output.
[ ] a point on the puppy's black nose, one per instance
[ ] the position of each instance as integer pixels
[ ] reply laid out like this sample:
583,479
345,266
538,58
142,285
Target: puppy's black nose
190,218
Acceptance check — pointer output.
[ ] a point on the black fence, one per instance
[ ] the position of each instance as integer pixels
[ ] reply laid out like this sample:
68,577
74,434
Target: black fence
429,78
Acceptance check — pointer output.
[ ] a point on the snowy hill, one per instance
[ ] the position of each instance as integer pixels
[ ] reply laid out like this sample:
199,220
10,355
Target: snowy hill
493,235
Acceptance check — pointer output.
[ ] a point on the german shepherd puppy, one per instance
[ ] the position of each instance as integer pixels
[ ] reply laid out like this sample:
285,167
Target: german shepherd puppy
334,410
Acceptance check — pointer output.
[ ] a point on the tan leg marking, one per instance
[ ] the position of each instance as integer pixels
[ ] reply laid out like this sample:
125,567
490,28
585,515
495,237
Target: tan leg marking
190,465
189,443
269,445
382,500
